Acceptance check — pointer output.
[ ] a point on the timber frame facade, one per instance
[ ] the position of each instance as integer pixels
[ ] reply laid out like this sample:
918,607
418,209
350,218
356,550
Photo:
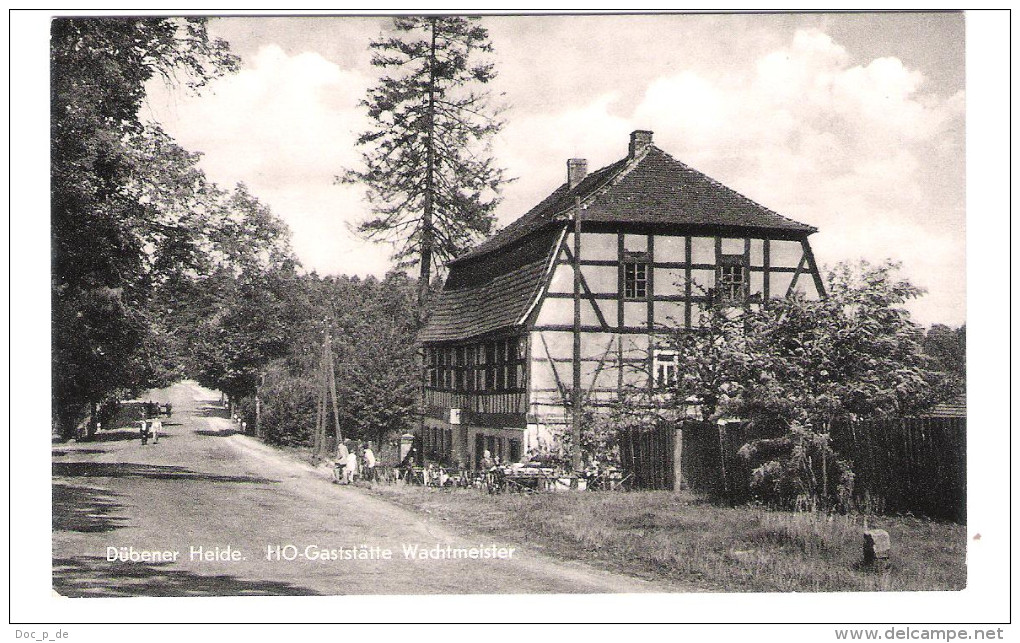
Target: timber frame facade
659,242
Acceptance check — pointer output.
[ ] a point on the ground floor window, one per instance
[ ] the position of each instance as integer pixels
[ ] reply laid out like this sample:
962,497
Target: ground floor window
666,368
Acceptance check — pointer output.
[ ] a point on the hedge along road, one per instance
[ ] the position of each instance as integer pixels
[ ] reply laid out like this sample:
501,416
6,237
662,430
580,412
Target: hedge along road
209,512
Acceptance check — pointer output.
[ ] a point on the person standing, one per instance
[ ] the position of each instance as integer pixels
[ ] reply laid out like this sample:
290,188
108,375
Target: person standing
341,462
369,457
487,462
351,469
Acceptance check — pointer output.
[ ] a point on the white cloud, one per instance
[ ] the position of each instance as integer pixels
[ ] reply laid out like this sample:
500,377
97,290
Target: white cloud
285,126
843,147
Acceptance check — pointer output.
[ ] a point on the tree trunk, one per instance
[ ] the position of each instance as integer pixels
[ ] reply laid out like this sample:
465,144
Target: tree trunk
427,233
93,419
258,405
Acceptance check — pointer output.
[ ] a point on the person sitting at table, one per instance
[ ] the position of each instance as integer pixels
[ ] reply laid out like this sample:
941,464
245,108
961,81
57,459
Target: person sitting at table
487,461
407,465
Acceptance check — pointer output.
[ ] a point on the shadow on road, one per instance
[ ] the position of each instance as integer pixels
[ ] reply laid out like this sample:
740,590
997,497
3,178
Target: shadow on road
116,435
94,576
212,411
84,509
135,470
66,452
223,433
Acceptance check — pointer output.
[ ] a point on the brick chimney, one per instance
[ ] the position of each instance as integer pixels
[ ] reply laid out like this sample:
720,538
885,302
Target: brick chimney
639,140
577,169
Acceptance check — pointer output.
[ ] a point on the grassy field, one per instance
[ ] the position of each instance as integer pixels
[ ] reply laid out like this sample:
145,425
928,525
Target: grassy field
685,540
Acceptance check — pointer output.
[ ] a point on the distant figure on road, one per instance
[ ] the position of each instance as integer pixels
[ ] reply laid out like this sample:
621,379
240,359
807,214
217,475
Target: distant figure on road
145,432
157,426
169,409
341,462
369,457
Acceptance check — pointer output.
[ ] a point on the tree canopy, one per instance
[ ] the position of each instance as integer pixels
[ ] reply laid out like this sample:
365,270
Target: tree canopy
855,353
123,219
796,367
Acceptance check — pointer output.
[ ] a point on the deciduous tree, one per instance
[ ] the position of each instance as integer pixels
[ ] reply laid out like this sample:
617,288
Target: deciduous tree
795,367
109,242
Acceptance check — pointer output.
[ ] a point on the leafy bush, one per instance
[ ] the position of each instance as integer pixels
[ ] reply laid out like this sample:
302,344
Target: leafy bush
799,470
288,410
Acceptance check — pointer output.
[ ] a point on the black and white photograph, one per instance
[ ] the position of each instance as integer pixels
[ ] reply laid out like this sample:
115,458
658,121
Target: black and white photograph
605,310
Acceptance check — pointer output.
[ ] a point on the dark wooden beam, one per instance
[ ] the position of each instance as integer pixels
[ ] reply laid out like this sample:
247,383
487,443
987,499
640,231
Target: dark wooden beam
587,262
773,269
575,392
607,297
620,283
650,322
747,267
796,274
552,365
815,274
626,330
588,294
687,282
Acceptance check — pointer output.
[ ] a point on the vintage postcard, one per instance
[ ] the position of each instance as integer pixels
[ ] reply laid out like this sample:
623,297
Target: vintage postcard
541,304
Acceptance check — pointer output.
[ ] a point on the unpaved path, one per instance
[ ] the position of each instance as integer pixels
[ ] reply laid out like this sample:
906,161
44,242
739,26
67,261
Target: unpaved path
205,486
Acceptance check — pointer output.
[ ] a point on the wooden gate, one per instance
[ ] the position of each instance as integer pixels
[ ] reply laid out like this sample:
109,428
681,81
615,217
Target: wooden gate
646,455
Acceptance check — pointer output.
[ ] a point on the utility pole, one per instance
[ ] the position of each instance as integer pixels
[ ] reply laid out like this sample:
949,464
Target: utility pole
575,397
332,388
327,389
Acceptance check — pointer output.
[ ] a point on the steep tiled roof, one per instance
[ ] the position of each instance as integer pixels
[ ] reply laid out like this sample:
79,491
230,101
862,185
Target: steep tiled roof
653,188
544,213
492,293
488,291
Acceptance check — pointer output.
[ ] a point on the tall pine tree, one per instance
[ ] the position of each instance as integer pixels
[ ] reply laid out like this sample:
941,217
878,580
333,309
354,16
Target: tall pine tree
429,172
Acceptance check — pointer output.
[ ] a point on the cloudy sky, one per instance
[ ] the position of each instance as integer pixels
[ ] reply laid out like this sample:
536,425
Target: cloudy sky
852,123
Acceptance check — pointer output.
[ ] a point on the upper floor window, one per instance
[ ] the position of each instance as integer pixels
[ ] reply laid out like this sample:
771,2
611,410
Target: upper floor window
635,280
494,366
732,279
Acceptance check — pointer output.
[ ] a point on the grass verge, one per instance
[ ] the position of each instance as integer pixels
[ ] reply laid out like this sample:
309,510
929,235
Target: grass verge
684,540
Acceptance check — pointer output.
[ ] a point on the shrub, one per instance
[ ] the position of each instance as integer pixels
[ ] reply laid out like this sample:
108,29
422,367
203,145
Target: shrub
799,470
288,410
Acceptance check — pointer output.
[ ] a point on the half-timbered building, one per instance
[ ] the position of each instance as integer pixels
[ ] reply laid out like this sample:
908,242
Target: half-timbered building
659,242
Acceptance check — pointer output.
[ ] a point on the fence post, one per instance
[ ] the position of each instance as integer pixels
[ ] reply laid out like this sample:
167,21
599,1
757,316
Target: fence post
722,458
678,450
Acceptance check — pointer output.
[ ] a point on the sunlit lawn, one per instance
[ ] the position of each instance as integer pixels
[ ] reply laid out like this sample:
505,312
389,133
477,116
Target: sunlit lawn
688,541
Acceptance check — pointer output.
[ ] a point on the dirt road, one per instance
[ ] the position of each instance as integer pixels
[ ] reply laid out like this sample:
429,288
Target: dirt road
216,507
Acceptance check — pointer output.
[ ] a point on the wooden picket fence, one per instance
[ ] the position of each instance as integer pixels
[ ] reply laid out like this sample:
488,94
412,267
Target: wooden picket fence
900,465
